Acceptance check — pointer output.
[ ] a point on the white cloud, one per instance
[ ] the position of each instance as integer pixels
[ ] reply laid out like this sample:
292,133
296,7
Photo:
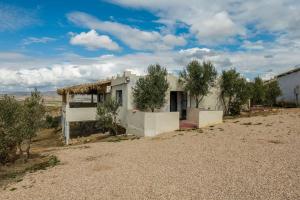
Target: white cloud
133,37
13,18
71,69
33,40
93,41
218,21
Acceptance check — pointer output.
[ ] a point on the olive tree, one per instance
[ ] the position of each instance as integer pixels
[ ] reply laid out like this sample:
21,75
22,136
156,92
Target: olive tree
149,92
258,91
197,78
107,115
33,115
10,128
272,92
235,91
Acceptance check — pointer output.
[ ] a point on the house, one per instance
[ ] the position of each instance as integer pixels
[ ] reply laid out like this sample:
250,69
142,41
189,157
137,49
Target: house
178,106
289,83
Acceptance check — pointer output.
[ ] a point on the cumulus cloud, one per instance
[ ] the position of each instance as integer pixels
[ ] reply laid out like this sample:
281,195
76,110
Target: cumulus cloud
13,18
217,22
71,69
93,41
135,38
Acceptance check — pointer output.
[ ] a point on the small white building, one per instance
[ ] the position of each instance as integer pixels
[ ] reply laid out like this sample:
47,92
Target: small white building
178,106
289,83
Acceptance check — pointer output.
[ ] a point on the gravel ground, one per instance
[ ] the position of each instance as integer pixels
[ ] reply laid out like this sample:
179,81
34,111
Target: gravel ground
245,158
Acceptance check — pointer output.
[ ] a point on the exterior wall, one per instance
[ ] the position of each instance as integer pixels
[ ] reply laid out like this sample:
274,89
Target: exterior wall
173,86
287,84
152,124
210,102
209,117
192,115
124,83
204,118
80,114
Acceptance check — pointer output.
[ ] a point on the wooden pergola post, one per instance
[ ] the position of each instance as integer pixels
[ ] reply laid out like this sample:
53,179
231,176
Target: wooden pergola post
67,124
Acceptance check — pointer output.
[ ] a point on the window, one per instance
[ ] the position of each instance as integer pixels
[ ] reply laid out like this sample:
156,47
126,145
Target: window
119,98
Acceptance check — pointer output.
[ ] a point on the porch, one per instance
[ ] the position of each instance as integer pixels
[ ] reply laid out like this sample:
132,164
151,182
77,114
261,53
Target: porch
79,103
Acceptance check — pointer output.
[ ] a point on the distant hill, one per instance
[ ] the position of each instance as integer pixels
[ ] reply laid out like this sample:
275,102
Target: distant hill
47,95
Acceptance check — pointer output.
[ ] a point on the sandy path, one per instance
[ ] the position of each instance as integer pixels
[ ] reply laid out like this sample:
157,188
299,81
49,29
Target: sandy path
234,160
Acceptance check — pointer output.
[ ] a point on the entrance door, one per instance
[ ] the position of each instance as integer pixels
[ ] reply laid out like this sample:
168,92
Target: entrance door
173,101
183,103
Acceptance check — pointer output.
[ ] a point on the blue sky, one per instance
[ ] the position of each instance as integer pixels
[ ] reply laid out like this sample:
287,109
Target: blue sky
49,44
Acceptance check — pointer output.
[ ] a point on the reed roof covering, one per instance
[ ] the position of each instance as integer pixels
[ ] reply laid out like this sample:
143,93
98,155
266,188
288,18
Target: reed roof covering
87,88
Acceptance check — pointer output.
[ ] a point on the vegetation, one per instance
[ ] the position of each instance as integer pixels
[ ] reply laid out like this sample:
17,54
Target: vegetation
19,123
197,79
258,92
264,93
235,91
150,91
272,92
107,115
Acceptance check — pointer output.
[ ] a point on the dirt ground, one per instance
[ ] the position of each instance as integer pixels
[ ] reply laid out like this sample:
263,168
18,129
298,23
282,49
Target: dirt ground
243,158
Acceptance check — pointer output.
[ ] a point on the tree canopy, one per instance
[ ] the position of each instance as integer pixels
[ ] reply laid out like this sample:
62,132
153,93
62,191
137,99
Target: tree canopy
197,78
149,92
235,91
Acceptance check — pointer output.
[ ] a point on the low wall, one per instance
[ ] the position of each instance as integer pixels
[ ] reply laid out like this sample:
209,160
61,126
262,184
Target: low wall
81,114
204,117
151,123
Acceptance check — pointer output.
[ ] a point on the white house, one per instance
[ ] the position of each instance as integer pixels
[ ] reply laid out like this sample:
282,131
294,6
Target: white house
179,106
289,83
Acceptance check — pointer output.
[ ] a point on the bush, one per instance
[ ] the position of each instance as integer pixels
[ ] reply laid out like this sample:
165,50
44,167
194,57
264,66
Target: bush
235,92
107,115
19,123
150,91
52,122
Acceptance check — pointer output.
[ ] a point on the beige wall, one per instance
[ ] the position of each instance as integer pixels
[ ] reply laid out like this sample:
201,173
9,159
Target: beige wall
80,114
151,124
204,118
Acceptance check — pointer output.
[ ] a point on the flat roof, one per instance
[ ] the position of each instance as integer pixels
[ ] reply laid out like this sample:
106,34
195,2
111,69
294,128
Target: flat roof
288,72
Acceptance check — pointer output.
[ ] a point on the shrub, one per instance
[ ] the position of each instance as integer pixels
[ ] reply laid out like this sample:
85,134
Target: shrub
107,115
272,92
10,127
235,91
150,91
19,123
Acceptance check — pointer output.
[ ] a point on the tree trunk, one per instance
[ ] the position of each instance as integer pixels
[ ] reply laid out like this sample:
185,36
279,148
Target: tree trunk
28,148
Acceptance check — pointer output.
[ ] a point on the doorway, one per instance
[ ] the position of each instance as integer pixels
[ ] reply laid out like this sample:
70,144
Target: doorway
178,103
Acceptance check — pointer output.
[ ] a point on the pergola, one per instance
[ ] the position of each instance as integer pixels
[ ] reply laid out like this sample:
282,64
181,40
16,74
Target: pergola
78,111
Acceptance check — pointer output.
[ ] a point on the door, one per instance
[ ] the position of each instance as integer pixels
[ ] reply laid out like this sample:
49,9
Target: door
183,99
173,101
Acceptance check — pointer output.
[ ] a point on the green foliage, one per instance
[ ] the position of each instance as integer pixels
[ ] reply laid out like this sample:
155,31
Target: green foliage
10,127
52,122
19,123
258,91
150,91
107,115
272,92
235,91
197,79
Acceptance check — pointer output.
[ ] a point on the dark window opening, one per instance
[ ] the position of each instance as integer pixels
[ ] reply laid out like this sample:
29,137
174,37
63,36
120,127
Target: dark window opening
119,98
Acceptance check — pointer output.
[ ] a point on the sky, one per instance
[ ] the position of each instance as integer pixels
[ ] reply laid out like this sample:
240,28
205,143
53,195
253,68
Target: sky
54,43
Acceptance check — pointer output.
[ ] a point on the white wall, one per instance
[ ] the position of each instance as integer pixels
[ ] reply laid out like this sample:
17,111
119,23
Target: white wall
80,114
210,102
151,123
204,118
287,85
